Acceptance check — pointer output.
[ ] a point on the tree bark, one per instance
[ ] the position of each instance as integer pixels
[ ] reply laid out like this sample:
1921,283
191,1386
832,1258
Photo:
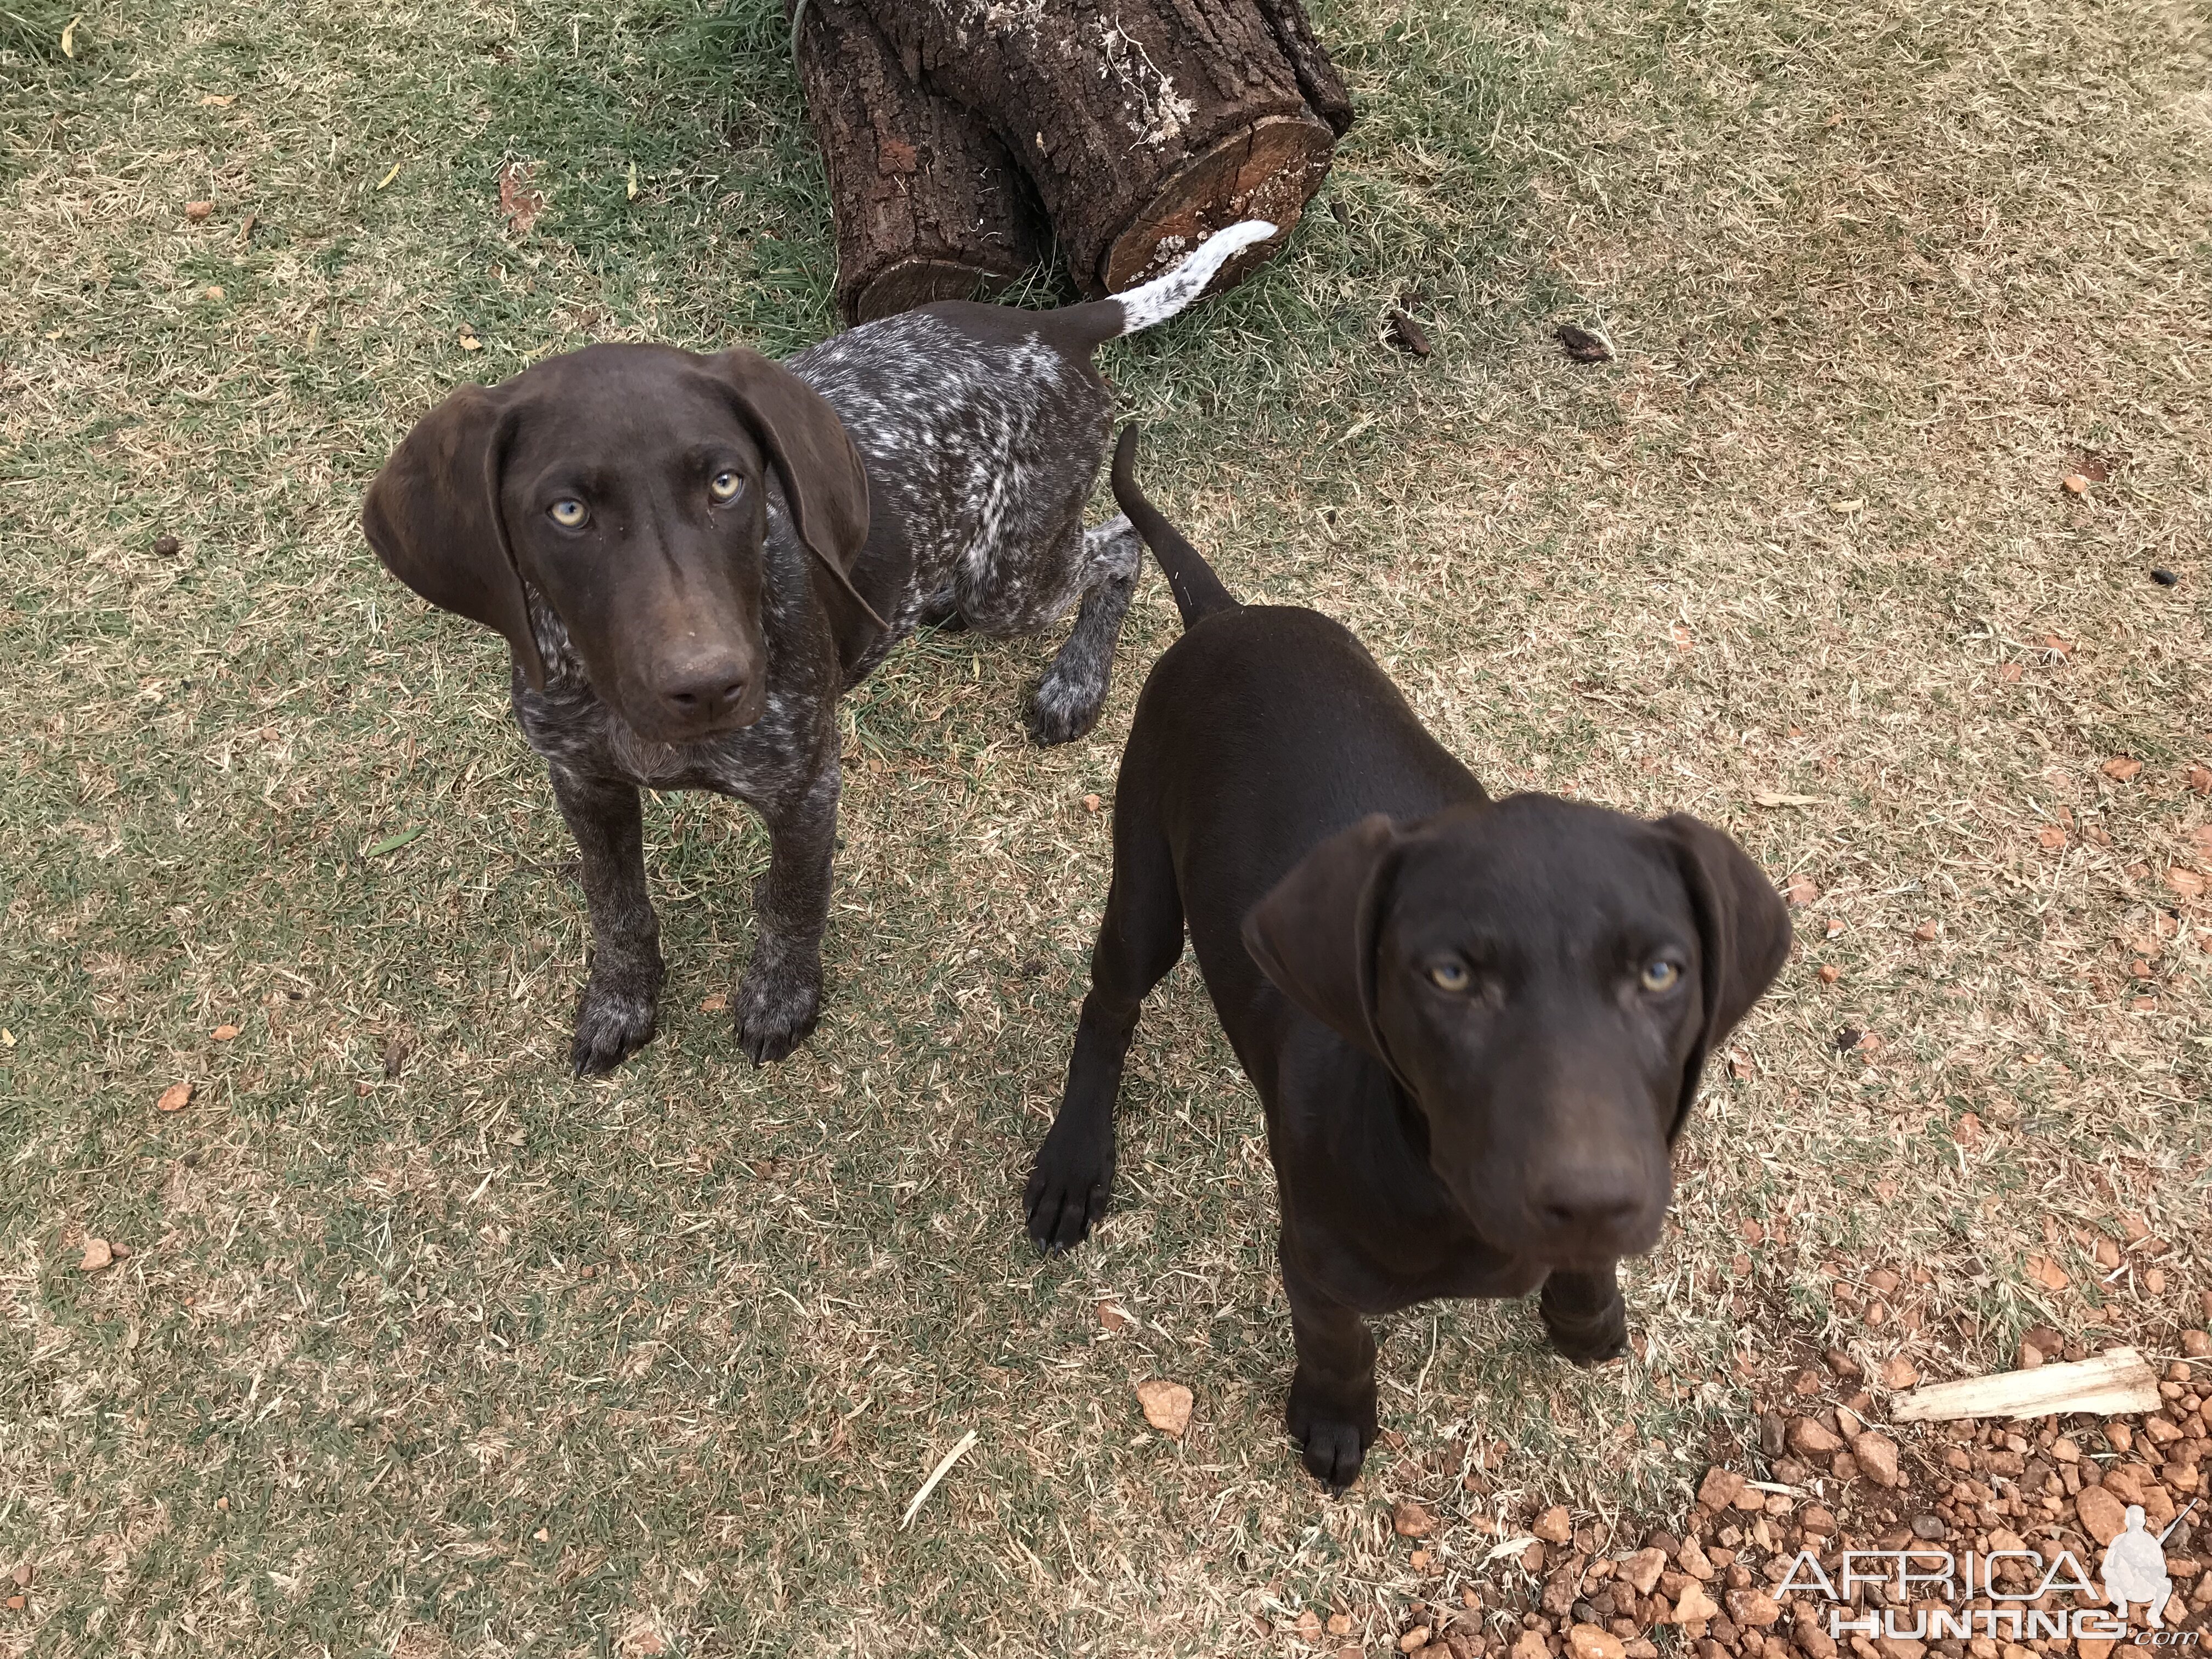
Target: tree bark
1145,124
928,205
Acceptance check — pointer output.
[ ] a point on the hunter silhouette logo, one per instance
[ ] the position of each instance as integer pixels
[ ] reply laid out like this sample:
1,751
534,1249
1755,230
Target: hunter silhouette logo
2135,1565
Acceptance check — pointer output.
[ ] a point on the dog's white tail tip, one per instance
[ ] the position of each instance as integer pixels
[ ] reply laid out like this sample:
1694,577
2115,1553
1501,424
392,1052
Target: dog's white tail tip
1154,302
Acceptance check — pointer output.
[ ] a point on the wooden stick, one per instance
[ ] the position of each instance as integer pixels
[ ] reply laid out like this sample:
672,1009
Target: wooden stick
2115,1383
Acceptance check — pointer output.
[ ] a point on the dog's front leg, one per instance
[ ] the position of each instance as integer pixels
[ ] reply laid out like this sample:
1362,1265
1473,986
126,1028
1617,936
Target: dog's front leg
1584,1313
1331,1413
780,999
616,1011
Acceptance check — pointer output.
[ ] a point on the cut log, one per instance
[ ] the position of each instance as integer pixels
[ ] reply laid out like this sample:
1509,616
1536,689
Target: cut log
2115,1383
1145,125
928,204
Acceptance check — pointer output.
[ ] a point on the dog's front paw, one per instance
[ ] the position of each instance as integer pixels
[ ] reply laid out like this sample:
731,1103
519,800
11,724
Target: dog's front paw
615,1018
1069,1187
778,1004
1066,705
1333,1440
1591,1339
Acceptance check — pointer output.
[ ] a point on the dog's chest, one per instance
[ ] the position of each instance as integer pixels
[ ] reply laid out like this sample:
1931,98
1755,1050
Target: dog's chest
572,727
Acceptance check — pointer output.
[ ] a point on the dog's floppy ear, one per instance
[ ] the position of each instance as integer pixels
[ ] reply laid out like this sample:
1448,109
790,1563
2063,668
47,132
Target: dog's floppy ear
433,516
825,484
1743,929
1314,933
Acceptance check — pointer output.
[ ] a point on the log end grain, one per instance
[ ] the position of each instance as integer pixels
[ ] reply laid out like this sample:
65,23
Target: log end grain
1268,170
916,282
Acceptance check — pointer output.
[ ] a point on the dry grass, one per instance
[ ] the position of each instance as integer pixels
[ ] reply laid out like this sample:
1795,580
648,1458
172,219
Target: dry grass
468,1358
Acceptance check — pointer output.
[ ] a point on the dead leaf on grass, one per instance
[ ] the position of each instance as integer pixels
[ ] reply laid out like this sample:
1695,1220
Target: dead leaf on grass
223,1033
2187,883
1411,1520
714,1004
98,1253
2121,767
2050,837
1167,1406
2200,780
517,200
2047,1273
1801,889
2074,484
1584,345
175,1098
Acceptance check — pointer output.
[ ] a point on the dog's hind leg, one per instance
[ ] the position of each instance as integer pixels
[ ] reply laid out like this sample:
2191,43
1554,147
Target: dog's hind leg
1139,938
1068,698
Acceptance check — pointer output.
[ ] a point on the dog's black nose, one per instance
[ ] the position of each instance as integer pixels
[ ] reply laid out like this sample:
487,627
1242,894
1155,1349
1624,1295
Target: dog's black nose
706,692
1592,1200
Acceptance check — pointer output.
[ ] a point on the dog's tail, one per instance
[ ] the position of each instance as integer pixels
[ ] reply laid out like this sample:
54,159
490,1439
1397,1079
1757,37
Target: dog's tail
1090,326
1198,591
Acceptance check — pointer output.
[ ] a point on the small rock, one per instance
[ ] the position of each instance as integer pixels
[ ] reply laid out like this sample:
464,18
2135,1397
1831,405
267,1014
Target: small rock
2104,1517
1877,1457
1818,1523
2198,1345
1843,1364
167,547
1754,1606
1691,1558
2030,1356
1530,1646
1695,1606
1167,1406
1588,1642
1642,1569
2164,578
195,212
1929,1527
98,1253
1808,1438
1719,1488
1773,1433
1554,1525
1899,1373
1410,1520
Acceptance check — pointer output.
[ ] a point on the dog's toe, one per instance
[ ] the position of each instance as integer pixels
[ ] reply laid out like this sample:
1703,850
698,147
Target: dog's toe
775,1010
1332,1454
1063,709
1065,1199
612,1023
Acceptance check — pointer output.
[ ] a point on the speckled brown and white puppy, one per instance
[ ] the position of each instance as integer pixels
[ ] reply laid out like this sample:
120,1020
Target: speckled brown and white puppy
690,558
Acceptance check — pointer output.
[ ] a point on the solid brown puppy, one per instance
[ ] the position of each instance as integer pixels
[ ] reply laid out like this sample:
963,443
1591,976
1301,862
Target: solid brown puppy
1476,1026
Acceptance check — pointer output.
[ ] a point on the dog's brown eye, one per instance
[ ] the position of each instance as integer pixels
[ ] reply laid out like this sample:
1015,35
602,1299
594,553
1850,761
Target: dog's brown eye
1451,975
1662,975
724,484
568,512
